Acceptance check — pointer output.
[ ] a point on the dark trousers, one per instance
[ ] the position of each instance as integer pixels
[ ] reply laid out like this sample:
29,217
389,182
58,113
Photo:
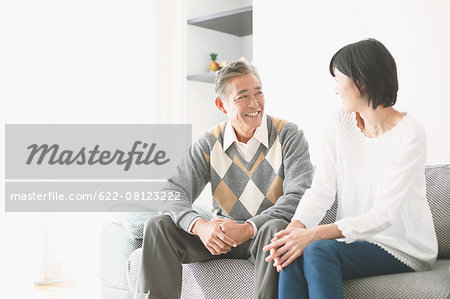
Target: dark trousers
166,247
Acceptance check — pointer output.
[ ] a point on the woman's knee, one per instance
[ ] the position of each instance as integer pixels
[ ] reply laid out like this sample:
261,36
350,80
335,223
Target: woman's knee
295,266
323,249
292,283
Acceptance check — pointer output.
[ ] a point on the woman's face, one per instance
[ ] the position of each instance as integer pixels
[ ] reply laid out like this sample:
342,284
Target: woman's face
349,93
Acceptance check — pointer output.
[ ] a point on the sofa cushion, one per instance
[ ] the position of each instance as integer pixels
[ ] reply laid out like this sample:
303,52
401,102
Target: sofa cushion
211,279
428,284
438,195
230,278
218,279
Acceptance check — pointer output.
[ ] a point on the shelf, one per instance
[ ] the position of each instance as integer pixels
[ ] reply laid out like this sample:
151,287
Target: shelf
206,77
237,21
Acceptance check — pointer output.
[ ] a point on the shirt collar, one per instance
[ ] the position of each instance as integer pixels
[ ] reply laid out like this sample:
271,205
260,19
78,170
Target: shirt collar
261,134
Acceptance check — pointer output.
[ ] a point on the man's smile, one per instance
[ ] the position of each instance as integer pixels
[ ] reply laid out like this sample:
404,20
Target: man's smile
252,113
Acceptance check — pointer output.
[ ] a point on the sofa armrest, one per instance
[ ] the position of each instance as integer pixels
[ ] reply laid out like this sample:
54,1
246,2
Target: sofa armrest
134,222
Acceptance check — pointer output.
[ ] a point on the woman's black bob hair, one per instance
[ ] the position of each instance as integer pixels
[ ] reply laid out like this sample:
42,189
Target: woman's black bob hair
372,69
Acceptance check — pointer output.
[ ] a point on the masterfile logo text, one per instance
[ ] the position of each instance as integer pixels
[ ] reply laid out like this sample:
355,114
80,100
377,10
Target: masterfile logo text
54,155
70,167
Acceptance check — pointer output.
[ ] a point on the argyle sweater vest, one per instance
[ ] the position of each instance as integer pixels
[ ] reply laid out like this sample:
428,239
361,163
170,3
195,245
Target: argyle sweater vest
244,189
269,187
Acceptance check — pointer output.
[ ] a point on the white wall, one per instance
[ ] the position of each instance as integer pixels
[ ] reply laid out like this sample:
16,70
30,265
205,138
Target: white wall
293,50
201,111
87,61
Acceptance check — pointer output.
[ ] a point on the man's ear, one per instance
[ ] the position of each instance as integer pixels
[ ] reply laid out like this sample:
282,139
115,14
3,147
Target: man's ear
220,105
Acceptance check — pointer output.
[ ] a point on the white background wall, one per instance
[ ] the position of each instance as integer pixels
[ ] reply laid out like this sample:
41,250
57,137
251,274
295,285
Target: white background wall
86,61
200,42
292,52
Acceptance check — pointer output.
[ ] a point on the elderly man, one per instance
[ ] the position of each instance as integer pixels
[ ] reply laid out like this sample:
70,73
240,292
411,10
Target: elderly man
258,167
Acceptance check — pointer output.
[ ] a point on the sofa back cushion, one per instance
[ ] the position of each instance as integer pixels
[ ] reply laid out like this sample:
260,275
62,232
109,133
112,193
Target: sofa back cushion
438,196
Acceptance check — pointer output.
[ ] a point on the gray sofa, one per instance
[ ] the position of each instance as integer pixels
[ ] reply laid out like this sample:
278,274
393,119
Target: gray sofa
121,241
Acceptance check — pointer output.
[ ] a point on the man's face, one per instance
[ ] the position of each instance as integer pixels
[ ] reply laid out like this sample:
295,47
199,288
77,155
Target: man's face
245,105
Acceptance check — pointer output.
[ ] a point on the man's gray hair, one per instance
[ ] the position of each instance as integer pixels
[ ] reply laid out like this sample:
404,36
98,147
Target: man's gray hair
234,69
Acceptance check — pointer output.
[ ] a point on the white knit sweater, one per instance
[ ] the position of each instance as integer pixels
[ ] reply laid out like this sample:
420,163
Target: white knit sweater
381,189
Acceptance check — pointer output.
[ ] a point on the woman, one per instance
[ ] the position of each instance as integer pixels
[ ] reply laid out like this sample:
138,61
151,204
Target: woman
374,157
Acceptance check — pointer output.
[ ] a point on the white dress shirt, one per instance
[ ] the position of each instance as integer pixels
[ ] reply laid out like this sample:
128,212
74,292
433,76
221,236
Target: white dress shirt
247,150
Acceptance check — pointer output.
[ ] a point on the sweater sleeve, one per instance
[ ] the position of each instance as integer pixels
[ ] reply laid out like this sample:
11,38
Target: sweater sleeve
406,169
298,172
320,197
190,178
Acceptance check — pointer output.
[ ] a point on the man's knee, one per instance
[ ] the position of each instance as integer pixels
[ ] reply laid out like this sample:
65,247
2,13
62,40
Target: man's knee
265,234
272,226
160,223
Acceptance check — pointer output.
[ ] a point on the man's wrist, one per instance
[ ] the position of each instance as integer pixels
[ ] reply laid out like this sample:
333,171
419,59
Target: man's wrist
197,225
191,225
250,230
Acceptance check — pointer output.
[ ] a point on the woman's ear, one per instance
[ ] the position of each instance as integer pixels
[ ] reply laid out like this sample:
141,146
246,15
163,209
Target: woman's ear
361,88
220,105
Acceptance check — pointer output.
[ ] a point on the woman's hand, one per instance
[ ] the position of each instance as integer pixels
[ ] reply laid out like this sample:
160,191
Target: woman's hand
294,224
289,244
276,260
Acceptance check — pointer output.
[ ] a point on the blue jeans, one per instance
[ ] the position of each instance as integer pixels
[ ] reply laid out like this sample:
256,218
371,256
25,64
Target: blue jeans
320,270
